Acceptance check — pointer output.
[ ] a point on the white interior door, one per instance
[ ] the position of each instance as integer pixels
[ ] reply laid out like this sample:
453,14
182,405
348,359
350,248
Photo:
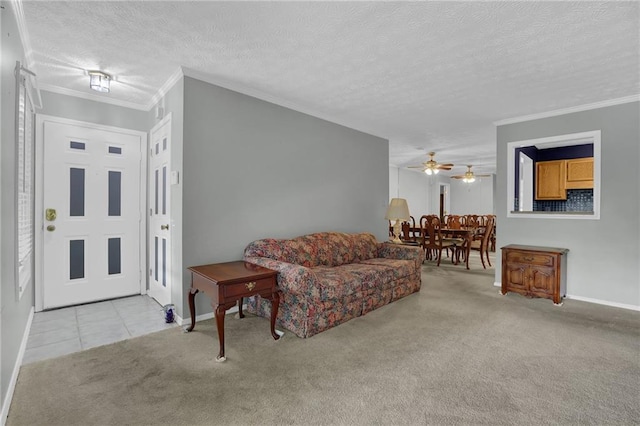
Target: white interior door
160,212
526,183
91,208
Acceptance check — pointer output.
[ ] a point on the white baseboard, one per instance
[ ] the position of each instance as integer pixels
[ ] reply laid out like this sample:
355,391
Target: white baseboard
184,321
16,369
590,300
603,302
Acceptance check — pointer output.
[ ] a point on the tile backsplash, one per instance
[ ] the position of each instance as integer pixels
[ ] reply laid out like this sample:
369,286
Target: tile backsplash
578,200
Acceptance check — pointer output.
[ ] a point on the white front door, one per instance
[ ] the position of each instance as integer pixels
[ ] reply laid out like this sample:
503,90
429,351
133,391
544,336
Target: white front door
91,213
160,212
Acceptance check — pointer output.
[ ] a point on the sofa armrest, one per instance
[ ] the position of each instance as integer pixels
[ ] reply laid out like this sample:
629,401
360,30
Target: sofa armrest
292,278
398,251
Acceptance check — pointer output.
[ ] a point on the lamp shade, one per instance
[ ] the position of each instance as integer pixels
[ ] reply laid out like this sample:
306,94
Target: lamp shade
398,210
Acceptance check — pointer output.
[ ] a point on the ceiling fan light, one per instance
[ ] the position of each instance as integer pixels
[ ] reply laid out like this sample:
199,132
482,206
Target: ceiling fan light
428,171
435,171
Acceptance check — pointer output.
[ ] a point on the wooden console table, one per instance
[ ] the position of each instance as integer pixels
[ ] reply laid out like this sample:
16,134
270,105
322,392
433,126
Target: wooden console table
226,284
534,271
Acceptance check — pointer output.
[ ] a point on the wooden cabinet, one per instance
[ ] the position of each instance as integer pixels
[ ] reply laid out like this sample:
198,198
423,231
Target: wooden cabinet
550,180
534,271
580,173
553,178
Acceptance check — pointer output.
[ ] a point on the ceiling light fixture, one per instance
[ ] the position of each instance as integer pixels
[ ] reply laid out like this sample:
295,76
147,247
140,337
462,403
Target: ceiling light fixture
432,167
469,179
469,176
99,81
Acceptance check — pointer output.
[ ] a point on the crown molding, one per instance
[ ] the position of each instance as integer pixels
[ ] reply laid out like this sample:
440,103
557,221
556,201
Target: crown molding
92,97
563,111
173,79
267,97
18,12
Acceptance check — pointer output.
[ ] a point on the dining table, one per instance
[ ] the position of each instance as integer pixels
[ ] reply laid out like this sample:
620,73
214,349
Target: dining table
414,233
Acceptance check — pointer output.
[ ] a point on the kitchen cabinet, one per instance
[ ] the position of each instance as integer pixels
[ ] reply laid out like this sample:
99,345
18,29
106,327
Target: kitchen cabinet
535,271
580,173
551,180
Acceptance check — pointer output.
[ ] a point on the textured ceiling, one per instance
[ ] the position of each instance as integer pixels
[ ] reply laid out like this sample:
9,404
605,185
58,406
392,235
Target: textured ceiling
429,76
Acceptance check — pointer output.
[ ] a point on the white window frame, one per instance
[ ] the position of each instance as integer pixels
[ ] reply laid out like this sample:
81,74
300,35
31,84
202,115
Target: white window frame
24,183
593,137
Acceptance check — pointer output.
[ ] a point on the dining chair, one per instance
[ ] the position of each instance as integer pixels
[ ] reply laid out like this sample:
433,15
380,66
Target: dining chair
408,230
433,242
472,220
482,245
454,221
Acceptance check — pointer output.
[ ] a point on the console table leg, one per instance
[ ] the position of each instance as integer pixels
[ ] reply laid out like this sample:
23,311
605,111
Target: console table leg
220,310
240,314
275,304
192,309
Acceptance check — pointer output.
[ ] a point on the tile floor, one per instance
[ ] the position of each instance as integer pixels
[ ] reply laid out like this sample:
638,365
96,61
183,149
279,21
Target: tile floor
63,331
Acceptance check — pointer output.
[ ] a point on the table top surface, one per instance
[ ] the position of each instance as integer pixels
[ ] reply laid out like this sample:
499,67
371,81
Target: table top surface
231,272
536,248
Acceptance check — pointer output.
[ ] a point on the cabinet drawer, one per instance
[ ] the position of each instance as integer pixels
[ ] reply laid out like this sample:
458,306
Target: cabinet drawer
248,288
530,258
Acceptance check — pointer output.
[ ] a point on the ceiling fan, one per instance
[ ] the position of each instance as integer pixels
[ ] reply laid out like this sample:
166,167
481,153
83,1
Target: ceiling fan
469,176
431,167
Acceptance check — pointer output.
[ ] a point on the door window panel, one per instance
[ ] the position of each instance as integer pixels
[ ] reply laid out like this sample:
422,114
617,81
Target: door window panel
114,256
164,262
77,145
76,192
76,259
164,190
157,186
156,254
115,193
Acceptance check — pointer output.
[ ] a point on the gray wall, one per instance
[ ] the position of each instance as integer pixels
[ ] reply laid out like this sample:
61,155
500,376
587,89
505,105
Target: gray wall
416,188
603,262
75,108
472,198
253,169
14,314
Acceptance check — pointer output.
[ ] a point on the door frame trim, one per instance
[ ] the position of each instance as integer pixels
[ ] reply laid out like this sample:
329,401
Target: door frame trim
39,195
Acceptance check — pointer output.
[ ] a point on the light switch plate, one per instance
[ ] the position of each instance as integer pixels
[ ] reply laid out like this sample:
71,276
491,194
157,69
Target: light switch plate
175,177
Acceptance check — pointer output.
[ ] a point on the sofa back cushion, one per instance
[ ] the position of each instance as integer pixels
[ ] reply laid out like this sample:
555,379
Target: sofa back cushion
319,249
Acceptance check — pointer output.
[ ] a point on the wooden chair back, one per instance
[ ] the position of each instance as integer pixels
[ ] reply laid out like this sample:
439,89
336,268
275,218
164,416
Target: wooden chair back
454,222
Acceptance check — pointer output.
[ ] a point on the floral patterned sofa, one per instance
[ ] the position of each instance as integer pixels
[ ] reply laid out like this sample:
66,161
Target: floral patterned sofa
328,278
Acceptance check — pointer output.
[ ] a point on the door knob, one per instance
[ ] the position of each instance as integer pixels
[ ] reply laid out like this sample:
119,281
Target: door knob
50,214
51,228
164,227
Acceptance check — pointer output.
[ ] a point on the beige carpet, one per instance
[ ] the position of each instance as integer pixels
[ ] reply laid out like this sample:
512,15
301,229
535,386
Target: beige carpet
455,353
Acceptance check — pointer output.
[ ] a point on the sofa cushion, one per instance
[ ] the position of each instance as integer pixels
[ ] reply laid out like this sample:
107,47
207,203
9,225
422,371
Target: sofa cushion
378,273
334,282
393,268
332,248
319,249
365,246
